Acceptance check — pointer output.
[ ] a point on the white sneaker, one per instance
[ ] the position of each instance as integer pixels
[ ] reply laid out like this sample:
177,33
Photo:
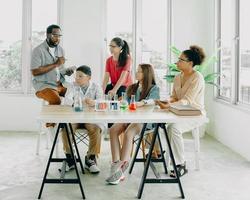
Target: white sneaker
116,172
90,165
115,178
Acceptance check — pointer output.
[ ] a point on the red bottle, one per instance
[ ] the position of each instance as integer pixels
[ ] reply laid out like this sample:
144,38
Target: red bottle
132,105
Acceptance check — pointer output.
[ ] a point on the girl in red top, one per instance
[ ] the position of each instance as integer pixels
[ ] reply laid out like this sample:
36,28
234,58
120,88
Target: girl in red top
118,68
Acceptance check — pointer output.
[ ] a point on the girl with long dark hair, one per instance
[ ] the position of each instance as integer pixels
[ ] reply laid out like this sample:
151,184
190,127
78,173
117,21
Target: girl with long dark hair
118,68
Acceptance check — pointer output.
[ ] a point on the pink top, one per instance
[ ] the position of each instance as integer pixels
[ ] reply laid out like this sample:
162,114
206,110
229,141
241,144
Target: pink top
115,71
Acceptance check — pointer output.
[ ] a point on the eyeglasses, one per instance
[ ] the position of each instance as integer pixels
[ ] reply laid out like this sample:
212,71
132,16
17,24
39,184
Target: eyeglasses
56,35
182,60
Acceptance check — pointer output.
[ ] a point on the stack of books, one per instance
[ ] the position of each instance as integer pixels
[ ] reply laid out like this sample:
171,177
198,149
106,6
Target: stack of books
184,110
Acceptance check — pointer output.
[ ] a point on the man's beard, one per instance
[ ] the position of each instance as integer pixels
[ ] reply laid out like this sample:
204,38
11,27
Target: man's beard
51,43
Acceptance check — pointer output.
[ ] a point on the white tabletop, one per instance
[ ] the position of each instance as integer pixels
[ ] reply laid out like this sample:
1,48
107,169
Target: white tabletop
146,114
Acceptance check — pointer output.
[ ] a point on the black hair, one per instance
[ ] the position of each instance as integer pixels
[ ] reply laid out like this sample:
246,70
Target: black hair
195,54
84,69
122,60
51,27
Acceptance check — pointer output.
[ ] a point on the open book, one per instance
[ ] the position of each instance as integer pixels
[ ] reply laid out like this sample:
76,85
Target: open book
184,110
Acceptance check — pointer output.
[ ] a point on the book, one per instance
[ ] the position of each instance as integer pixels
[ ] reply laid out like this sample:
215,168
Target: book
184,110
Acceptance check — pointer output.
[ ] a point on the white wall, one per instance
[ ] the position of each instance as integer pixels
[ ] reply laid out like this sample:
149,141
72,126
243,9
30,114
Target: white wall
83,35
230,126
19,112
192,24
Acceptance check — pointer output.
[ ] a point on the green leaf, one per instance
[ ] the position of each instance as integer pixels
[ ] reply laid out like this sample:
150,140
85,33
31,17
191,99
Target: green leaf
211,77
169,78
176,51
198,68
209,62
214,84
173,67
174,73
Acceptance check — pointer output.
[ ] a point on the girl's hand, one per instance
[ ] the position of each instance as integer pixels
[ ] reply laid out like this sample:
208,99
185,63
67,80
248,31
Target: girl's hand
112,93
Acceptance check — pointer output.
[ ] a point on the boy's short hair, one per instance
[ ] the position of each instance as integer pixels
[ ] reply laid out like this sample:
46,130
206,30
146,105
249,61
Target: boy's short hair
85,69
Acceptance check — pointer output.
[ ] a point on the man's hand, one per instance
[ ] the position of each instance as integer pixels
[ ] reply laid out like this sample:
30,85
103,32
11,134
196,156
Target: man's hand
69,71
60,61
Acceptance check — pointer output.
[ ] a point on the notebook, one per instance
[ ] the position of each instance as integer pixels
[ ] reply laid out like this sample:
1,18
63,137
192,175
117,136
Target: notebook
184,110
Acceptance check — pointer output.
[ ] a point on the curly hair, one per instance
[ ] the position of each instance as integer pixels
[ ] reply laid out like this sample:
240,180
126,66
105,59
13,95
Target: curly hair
195,54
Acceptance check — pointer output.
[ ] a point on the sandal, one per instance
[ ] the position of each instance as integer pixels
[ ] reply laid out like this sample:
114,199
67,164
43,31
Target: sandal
181,170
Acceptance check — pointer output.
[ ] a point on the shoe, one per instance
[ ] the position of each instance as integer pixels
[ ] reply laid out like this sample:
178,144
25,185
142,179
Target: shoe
117,172
90,164
181,170
70,163
115,178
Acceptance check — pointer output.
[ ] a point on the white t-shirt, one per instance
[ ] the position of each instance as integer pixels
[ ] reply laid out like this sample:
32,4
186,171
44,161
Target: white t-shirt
52,52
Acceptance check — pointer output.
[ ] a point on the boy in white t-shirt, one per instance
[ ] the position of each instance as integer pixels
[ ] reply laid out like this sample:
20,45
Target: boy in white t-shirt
91,92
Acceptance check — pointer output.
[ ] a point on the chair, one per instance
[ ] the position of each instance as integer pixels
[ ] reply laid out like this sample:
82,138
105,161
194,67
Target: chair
81,134
145,142
196,142
50,134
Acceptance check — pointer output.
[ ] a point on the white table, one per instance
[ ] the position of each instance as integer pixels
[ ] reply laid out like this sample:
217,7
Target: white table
65,115
149,114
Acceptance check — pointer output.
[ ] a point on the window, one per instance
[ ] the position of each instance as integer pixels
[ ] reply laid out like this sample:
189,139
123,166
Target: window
234,65
10,46
154,39
39,24
119,21
226,41
146,26
244,53
15,43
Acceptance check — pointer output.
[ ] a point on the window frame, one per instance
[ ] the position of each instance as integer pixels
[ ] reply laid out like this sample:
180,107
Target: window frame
234,99
137,35
26,48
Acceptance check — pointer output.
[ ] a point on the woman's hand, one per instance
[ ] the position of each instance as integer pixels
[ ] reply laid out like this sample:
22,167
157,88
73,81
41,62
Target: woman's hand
139,104
162,104
89,101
